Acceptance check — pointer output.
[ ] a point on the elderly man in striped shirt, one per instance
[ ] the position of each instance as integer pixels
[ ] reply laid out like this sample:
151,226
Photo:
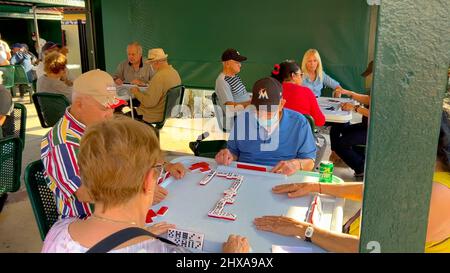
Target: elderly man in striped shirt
230,90
93,101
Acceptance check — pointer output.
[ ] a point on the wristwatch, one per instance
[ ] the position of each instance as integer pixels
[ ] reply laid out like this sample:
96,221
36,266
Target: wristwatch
309,233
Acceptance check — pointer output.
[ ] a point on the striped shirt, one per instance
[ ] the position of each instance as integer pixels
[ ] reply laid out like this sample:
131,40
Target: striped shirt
59,151
230,89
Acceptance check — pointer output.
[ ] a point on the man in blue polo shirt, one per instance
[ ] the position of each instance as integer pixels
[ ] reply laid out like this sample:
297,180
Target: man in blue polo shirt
268,134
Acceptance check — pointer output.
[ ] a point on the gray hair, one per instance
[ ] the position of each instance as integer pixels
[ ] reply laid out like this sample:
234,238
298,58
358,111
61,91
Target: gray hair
138,45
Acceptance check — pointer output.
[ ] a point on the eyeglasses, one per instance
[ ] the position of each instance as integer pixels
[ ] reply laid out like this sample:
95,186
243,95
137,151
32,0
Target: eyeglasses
159,169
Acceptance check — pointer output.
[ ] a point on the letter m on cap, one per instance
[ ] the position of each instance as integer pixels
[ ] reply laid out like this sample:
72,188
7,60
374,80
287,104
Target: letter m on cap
263,94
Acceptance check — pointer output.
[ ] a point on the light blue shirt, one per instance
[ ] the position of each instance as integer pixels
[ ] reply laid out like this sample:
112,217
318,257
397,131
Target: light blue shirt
317,85
21,58
252,144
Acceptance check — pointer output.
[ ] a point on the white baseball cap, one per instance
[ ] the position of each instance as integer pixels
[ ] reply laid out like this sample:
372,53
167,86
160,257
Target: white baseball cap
99,85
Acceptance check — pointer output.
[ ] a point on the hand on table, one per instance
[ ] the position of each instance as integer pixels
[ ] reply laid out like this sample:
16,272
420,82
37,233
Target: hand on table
296,189
138,82
281,225
288,167
224,157
176,170
159,195
160,228
347,106
341,91
236,244
134,90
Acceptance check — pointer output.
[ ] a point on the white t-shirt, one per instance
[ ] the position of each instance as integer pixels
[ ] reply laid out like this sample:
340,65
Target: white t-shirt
4,49
58,240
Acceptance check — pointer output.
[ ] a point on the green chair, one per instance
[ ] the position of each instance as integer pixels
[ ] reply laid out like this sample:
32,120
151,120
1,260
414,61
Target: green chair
50,107
10,166
174,97
219,113
8,76
15,125
41,197
311,122
207,148
20,122
20,77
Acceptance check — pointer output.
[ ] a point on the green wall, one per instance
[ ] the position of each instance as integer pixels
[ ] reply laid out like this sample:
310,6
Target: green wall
195,33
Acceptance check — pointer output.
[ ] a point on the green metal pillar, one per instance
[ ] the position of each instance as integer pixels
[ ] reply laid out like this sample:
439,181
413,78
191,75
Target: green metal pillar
412,56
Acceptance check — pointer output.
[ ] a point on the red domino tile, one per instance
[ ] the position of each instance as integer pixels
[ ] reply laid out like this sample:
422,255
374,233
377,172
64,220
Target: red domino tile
250,167
150,215
200,164
162,210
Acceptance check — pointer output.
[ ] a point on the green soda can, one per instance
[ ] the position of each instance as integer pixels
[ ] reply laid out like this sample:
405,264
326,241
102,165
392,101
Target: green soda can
326,171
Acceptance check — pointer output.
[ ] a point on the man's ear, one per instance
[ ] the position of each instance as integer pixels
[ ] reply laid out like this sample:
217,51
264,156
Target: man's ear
150,181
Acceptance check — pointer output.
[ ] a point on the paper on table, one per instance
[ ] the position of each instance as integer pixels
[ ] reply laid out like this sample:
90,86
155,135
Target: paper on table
291,249
297,213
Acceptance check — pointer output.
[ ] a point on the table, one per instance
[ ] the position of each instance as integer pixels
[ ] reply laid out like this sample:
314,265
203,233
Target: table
123,93
331,109
189,204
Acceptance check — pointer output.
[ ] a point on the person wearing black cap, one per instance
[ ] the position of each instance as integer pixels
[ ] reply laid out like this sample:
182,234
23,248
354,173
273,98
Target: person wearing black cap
267,134
229,88
344,137
46,49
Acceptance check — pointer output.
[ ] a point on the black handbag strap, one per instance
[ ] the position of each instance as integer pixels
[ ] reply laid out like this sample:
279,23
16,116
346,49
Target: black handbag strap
121,237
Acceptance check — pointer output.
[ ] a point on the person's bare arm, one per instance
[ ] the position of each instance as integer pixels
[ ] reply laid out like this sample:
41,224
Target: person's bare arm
289,167
331,241
234,104
361,98
348,190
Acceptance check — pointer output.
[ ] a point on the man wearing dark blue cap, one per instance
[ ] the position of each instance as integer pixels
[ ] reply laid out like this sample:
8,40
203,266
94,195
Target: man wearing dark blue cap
20,57
267,134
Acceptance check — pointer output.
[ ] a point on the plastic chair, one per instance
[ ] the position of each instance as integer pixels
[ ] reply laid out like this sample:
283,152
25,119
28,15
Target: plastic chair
15,125
207,148
8,76
174,97
20,77
311,122
220,115
50,107
10,164
20,122
41,197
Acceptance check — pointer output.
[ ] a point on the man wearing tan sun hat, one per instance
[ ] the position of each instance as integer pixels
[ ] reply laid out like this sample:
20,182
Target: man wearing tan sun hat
93,100
153,99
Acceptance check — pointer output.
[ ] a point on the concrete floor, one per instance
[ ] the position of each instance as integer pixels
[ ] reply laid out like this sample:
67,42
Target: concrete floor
18,229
